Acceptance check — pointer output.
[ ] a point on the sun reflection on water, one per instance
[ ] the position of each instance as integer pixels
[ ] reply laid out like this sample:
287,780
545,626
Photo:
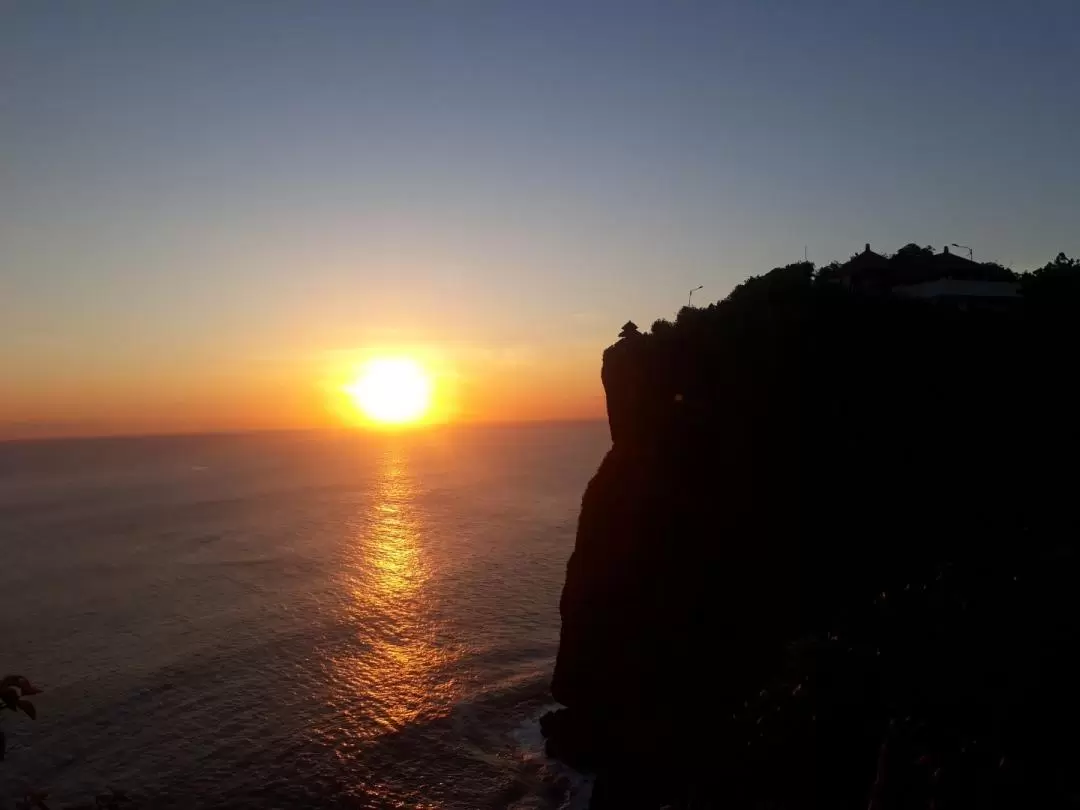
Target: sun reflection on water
393,672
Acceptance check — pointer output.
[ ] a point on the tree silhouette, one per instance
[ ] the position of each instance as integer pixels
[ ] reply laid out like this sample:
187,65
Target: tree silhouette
913,251
662,327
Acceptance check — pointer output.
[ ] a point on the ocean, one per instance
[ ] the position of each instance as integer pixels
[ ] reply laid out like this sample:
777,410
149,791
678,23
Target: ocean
290,619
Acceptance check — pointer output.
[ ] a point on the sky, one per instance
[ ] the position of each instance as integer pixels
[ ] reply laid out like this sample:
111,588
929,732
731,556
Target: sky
211,212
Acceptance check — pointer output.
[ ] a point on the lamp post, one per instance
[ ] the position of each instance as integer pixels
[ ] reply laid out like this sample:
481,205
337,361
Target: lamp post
690,297
971,253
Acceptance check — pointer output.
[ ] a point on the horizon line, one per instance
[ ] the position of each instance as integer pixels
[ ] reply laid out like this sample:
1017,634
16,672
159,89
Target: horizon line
89,437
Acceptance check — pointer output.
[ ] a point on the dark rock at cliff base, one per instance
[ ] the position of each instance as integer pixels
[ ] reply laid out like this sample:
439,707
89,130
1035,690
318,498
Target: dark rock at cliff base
569,737
829,555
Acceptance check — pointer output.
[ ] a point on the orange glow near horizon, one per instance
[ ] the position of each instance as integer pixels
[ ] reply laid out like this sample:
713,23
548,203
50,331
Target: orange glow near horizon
301,387
392,391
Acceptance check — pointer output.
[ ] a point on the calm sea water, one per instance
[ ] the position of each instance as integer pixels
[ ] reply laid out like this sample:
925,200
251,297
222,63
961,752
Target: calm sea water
278,620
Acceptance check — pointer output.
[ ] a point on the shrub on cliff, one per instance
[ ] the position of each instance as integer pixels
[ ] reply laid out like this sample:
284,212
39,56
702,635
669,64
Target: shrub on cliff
15,691
661,327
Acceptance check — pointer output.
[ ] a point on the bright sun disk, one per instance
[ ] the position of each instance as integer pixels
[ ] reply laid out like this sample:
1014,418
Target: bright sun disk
392,391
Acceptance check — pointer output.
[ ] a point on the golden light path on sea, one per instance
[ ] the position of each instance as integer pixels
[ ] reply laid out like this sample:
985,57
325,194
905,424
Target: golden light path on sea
396,672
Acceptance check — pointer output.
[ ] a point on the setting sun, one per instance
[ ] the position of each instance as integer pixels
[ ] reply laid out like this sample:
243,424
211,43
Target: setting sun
392,391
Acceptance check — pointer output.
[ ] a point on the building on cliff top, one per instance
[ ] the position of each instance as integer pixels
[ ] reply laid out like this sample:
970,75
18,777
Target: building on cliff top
920,273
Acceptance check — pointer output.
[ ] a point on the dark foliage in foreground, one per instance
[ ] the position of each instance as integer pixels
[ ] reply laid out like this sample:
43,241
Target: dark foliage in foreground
14,693
830,557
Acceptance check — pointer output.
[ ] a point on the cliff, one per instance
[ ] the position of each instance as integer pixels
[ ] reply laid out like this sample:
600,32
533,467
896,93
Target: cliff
831,525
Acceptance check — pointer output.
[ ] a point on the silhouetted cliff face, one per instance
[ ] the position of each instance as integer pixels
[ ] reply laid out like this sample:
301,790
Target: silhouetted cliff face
791,466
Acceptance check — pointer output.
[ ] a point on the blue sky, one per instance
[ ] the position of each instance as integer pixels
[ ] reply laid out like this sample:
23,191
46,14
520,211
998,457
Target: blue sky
213,188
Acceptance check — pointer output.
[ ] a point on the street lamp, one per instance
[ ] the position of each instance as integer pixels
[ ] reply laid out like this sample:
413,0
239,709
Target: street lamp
971,253
690,297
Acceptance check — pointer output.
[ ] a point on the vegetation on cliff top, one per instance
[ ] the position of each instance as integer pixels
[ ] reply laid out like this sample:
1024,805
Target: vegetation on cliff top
1044,284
